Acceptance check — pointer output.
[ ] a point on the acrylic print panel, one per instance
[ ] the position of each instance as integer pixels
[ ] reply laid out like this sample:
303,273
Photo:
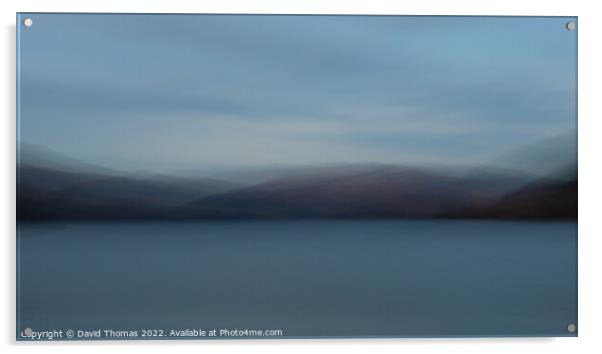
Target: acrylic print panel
269,176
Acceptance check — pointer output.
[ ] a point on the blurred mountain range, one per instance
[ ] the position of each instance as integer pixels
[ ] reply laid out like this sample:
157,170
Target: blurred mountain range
53,188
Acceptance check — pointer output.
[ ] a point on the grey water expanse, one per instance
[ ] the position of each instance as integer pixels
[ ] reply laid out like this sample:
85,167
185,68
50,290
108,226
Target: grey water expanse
307,278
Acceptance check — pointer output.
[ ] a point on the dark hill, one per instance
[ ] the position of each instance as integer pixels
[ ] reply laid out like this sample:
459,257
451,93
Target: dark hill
44,193
541,200
376,192
358,191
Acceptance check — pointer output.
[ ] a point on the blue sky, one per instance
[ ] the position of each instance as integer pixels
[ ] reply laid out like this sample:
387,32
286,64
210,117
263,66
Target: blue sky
173,92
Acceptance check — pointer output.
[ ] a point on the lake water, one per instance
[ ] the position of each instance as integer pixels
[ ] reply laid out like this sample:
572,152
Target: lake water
306,278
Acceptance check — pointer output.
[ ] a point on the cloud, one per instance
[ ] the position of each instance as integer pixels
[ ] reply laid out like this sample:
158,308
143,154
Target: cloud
161,90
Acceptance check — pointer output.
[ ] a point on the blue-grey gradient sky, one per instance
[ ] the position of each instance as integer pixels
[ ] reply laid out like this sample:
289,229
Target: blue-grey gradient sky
175,92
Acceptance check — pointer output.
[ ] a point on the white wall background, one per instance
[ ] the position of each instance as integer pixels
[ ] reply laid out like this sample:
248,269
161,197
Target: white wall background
590,173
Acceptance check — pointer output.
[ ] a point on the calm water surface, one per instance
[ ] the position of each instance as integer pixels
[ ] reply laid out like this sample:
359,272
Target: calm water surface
307,278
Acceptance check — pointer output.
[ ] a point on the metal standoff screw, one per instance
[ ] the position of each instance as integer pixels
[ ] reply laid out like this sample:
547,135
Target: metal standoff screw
570,26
